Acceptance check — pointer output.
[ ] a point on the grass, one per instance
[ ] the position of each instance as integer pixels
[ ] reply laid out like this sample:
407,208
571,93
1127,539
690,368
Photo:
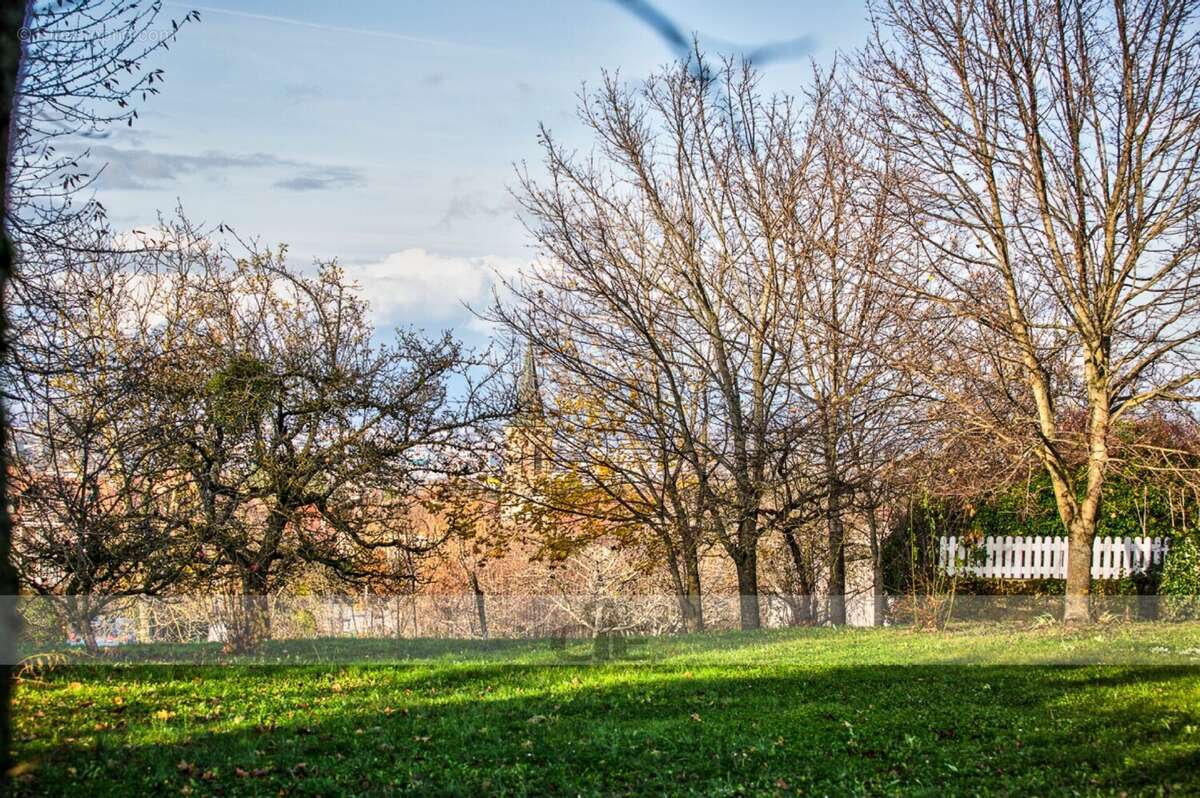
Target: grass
976,711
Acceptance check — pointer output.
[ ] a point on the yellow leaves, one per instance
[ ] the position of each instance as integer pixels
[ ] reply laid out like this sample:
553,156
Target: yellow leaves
695,716
21,769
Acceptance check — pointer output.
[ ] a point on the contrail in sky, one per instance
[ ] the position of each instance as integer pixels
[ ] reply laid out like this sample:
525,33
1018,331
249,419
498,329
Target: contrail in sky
379,34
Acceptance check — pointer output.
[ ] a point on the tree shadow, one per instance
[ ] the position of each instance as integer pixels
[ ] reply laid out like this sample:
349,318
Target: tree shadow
501,727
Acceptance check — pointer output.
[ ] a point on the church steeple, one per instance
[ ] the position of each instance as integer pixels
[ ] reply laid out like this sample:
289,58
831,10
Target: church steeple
527,438
529,391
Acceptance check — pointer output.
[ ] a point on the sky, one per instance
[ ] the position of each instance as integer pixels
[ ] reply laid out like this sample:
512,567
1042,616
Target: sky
387,136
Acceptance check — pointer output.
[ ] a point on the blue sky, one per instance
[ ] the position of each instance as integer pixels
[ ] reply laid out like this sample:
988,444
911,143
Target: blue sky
386,136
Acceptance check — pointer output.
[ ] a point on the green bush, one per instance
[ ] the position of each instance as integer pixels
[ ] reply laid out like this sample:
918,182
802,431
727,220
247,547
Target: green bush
41,626
1180,585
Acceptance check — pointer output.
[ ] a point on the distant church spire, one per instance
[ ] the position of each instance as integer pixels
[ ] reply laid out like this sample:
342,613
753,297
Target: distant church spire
529,391
526,438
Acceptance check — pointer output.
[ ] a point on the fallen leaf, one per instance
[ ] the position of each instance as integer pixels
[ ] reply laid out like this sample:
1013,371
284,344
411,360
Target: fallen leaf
21,769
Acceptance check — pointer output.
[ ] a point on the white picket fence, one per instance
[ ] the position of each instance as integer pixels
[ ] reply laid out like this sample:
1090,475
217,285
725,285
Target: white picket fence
1037,557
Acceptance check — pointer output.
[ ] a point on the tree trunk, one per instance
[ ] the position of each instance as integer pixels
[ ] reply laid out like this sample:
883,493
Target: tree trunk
480,605
747,579
693,610
800,609
880,603
12,21
675,569
803,611
690,604
83,620
837,555
250,620
1079,574
1083,516
88,633
1079,519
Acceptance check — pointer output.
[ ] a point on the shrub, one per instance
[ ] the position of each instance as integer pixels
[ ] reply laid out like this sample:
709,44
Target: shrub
1180,585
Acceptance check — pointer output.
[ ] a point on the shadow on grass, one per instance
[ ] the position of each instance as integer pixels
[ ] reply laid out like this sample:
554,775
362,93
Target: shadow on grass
508,728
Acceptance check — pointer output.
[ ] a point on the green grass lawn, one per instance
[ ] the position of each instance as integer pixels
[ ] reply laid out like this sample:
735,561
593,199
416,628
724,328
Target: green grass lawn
977,711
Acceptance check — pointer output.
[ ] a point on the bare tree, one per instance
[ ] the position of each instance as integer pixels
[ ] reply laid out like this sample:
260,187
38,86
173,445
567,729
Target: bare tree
1051,154
86,70
596,588
858,403
95,499
665,290
304,440
68,70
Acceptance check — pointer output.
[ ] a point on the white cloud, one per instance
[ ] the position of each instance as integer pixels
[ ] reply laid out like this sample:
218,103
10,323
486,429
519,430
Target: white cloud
420,288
